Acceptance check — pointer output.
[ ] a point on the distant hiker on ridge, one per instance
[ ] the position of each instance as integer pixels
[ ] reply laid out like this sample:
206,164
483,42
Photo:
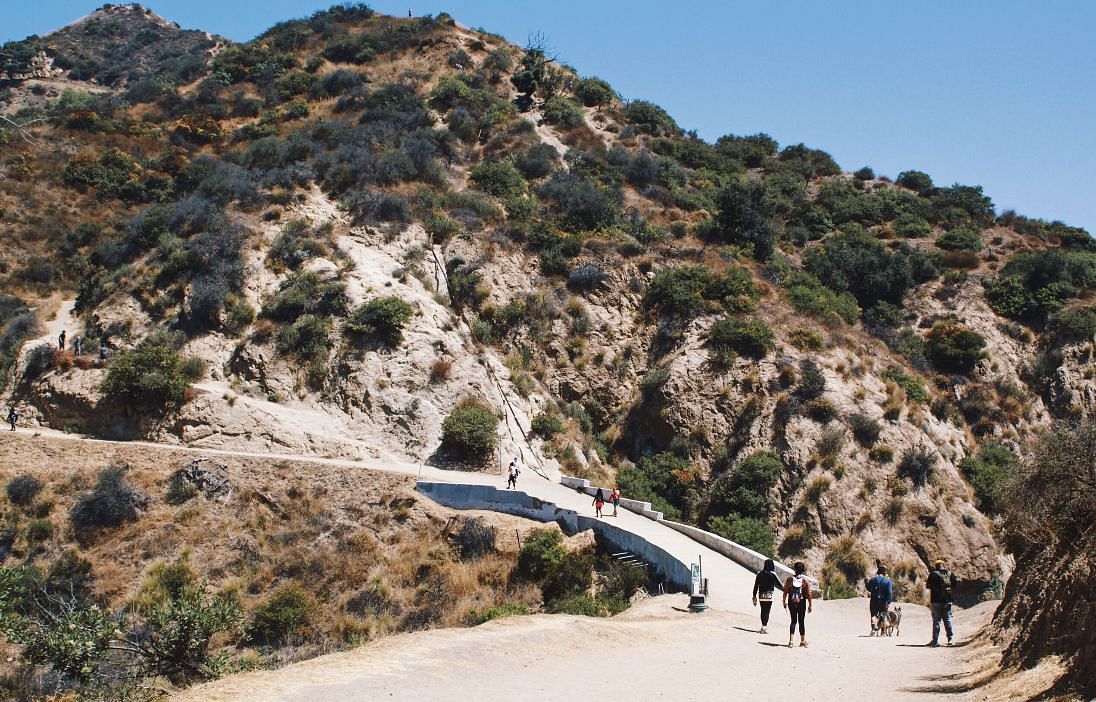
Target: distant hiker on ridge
599,501
798,601
881,591
512,474
78,343
61,340
765,583
941,585
13,416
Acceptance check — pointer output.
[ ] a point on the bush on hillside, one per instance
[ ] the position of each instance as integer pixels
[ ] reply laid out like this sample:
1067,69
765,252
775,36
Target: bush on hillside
750,532
865,429
308,338
538,161
650,118
1076,325
954,348
111,503
22,489
305,293
687,290
470,431
284,618
580,202
382,319
498,178
732,336
915,180
812,383
746,216
917,464
858,263
151,377
563,113
988,473
807,295
546,426
744,491
960,239
541,552
669,482
594,92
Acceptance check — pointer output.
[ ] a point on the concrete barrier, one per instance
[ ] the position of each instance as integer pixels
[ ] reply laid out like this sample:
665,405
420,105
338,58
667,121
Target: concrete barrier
462,496
745,557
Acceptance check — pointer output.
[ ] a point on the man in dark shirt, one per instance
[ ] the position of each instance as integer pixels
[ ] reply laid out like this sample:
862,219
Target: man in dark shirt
941,585
882,594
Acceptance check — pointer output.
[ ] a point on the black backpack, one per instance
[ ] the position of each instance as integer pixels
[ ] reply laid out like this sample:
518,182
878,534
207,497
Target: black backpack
943,585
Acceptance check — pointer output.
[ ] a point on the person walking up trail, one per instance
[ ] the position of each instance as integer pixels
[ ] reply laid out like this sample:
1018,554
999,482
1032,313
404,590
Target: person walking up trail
614,497
765,583
941,585
13,416
61,340
512,474
881,590
798,601
599,501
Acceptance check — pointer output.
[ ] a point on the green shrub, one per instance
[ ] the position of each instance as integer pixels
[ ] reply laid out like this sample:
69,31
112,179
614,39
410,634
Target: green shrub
305,293
151,377
284,617
498,178
1032,285
821,410
865,429
580,605
39,530
913,386
797,539
744,490
848,558
308,338
953,347
988,473
650,118
809,296
580,202
382,319
917,464
22,489
594,92
689,289
1077,324
541,553
960,239
749,337
746,217
854,261
563,113
470,431
546,426
571,576
750,532
812,383
111,503
911,226
915,180
669,482
617,582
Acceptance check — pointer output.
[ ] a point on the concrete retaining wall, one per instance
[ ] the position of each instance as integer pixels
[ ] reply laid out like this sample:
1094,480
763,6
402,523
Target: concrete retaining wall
738,553
461,496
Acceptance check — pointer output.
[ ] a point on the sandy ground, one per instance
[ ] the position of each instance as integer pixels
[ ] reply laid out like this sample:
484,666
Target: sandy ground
655,651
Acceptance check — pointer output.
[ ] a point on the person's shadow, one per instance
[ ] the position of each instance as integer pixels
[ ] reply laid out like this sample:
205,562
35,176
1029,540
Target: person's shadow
774,645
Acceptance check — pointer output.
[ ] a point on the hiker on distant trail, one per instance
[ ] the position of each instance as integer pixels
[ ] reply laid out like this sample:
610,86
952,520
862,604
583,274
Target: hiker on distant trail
78,344
61,340
765,583
13,416
941,585
614,497
881,590
102,350
599,501
512,474
798,601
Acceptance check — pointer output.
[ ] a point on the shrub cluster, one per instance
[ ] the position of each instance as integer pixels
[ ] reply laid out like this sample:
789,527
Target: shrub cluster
382,319
735,335
470,431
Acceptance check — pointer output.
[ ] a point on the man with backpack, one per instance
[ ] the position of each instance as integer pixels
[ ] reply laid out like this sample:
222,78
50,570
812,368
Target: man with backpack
941,585
881,591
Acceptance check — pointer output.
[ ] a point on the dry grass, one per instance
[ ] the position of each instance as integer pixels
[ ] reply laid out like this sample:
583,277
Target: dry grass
331,530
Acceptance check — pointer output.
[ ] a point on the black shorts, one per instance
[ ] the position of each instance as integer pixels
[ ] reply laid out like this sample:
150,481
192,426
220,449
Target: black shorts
878,609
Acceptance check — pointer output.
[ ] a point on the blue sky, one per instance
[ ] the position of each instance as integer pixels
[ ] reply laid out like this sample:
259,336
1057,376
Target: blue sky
997,93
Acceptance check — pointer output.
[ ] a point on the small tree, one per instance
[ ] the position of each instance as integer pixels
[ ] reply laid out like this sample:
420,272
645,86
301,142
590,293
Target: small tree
749,337
470,431
382,318
594,92
286,615
953,347
150,377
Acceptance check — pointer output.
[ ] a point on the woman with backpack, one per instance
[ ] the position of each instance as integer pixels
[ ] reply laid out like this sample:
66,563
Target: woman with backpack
797,600
764,584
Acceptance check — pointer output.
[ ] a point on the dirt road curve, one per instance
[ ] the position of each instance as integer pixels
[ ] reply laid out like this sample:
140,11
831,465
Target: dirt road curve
652,652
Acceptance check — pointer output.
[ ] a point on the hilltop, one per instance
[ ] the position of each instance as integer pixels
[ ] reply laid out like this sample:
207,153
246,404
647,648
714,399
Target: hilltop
334,238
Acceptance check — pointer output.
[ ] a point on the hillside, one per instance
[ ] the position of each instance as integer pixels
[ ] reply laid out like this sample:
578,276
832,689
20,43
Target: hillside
326,240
